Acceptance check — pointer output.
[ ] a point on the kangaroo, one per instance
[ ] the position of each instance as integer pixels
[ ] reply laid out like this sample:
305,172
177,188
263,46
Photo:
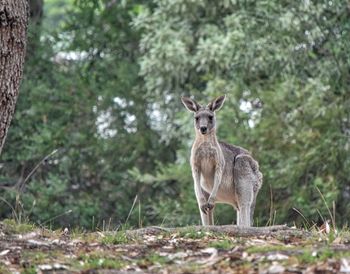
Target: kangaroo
222,173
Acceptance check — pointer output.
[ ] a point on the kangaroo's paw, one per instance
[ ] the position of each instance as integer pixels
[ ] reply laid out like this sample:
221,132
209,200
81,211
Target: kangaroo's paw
207,207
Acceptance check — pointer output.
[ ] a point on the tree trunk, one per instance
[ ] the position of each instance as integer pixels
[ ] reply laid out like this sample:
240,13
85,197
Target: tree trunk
13,34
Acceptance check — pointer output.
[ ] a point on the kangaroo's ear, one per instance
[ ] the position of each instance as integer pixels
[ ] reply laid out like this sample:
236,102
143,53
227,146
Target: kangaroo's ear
190,104
217,103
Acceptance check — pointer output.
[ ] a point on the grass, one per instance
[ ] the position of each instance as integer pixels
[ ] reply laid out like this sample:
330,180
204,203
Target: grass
153,259
29,270
344,235
31,259
190,267
12,227
310,256
40,257
222,244
104,263
268,248
104,260
82,235
3,269
115,238
191,233
100,261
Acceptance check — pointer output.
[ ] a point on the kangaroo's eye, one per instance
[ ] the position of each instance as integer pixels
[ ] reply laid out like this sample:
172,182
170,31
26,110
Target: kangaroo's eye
196,118
210,118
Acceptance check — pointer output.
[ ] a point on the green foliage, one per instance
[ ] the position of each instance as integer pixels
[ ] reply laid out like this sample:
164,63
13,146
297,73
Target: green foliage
90,108
309,256
119,237
29,270
268,248
55,12
284,68
11,227
97,260
191,233
222,244
102,85
154,258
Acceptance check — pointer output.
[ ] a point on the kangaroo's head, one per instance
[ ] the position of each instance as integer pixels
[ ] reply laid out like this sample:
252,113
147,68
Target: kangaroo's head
204,116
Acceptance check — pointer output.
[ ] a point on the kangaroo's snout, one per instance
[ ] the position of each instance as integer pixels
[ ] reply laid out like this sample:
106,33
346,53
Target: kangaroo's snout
204,130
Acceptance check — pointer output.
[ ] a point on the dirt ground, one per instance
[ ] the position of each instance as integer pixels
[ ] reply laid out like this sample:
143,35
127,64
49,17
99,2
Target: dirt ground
33,250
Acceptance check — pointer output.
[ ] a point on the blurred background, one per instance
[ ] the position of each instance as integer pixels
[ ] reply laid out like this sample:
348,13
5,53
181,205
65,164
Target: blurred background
102,86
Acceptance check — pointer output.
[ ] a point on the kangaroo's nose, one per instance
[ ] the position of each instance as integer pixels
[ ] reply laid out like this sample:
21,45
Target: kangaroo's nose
204,130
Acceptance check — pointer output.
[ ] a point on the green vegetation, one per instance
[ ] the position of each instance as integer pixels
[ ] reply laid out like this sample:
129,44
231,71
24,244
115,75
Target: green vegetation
100,261
102,85
263,249
191,233
118,237
29,270
222,244
3,269
312,256
38,257
153,259
106,260
10,226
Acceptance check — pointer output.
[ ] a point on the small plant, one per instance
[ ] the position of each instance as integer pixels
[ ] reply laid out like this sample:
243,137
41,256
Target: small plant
28,270
38,257
3,269
109,263
100,261
115,238
12,227
191,233
154,259
268,248
222,244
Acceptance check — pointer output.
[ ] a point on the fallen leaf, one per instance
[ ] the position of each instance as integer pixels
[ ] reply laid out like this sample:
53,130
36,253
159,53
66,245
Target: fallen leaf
29,235
4,252
337,240
344,266
325,228
35,243
276,268
277,257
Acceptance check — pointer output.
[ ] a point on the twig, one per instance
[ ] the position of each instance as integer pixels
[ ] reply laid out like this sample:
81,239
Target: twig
329,211
22,183
302,215
131,209
57,216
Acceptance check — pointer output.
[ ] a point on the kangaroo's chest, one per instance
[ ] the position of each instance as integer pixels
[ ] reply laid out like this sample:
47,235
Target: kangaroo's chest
206,157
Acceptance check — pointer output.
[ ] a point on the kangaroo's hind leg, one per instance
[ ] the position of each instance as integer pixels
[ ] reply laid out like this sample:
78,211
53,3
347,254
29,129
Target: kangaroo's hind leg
244,178
252,208
256,187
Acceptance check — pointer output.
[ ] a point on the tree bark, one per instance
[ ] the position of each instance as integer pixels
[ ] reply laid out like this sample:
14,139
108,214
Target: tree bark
13,36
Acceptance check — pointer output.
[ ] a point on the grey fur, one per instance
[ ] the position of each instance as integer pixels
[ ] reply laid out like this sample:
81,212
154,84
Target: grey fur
222,173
